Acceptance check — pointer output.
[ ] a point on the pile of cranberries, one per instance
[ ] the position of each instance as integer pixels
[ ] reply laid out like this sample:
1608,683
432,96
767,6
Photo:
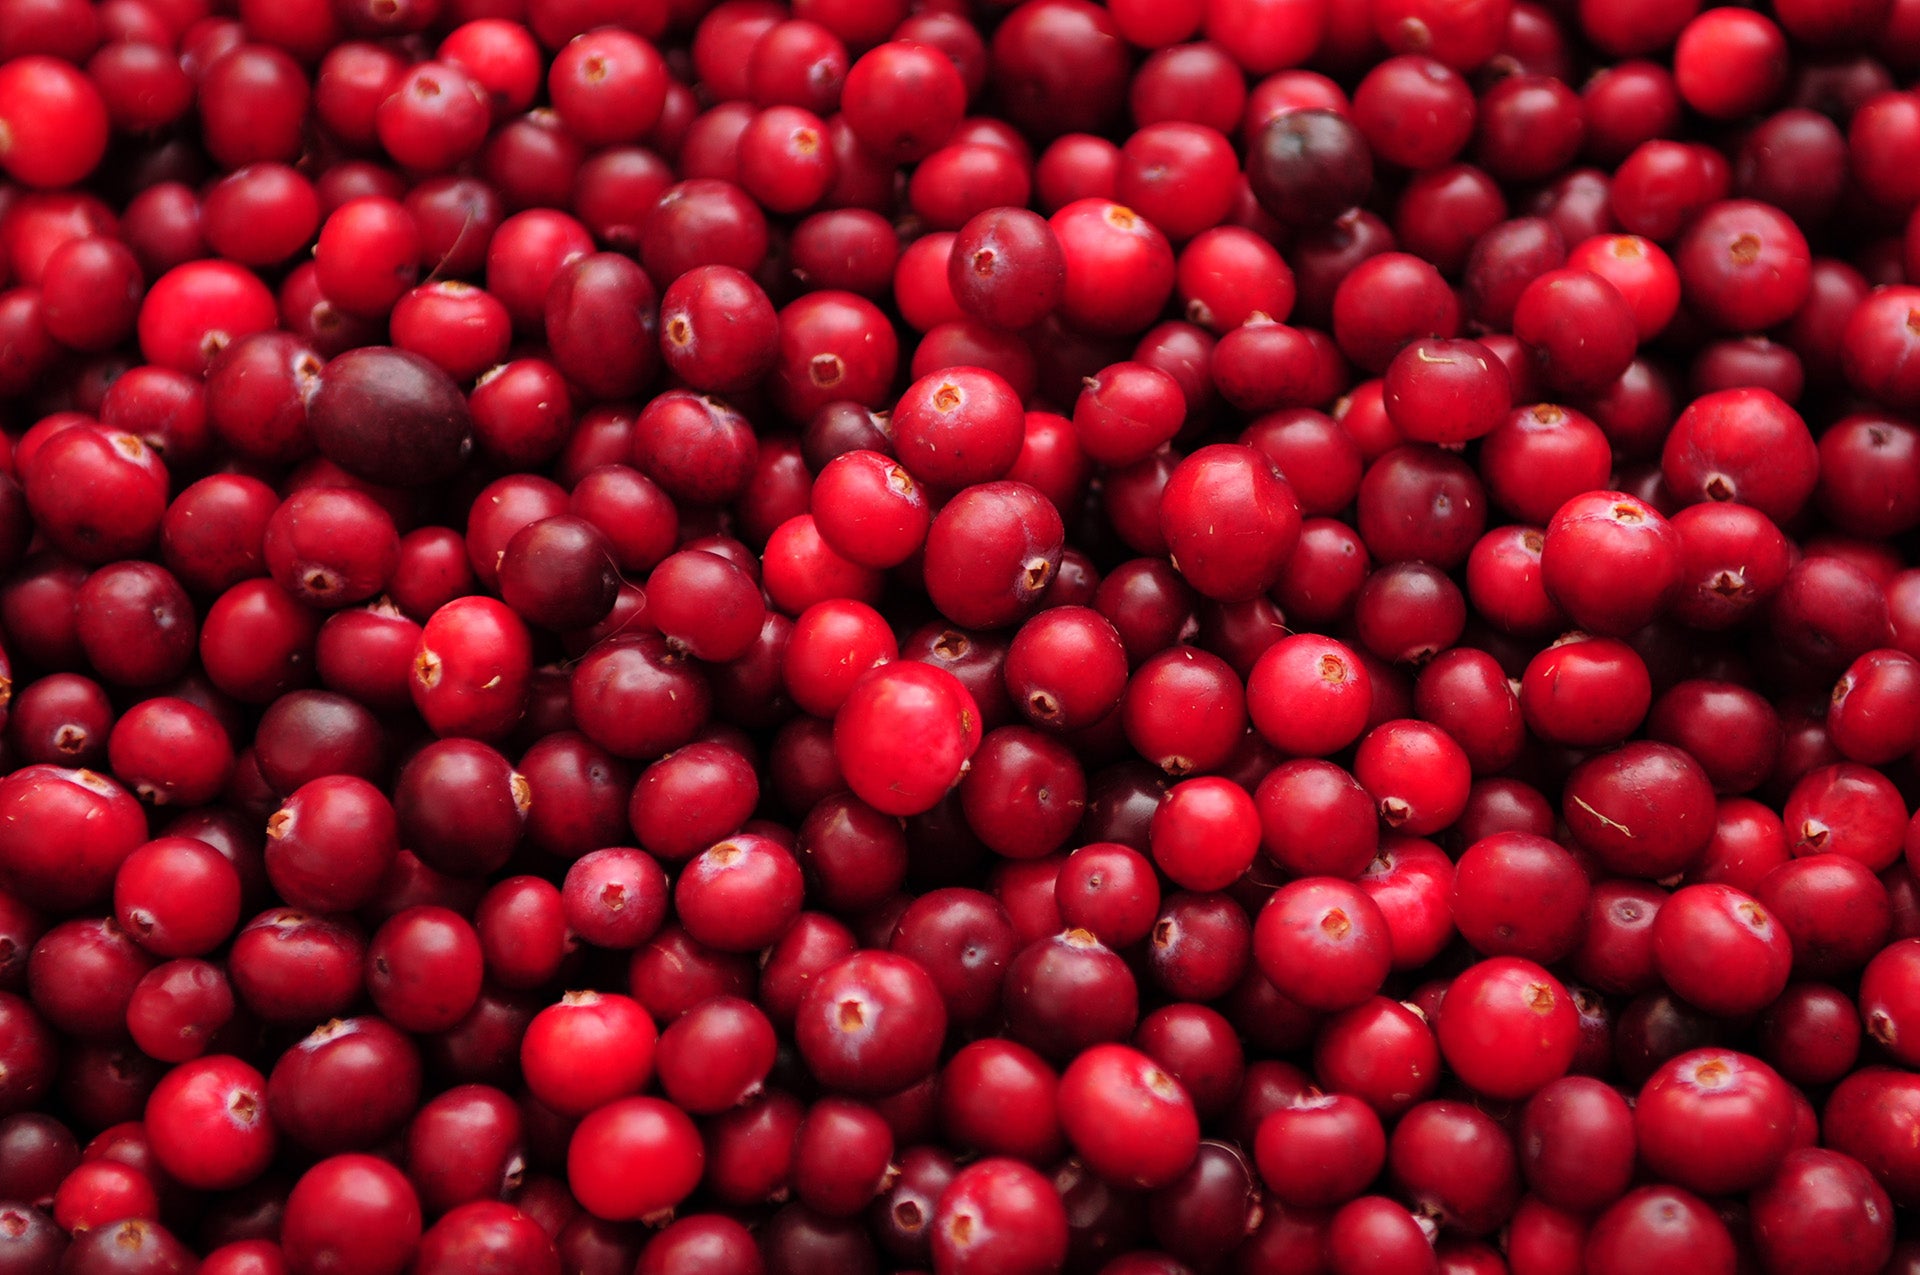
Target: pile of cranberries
1179,637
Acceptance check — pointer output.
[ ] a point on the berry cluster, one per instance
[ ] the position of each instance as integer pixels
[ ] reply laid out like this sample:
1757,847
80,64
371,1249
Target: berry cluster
997,637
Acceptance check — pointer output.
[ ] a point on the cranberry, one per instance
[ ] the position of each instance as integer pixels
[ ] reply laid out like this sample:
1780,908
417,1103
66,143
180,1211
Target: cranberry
350,1084
1714,1121
1510,1028
306,834
209,1125
351,1210
1323,943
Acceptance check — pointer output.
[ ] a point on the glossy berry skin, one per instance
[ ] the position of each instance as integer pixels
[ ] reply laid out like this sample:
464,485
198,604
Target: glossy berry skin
1611,562
71,831
872,1023
634,1158
587,1051
471,668
1660,1224
716,1055
425,968
1585,692
903,736
1184,710
1007,268
1447,391
1517,894
1696,936
1127,410
958,427
1644,810
870,509
487,1236
1230,521
1417,775
177,897
1822,1210
991,552
705,605
1714,1121
1309,166
389,416
1577,1143
1323,943
739,895
1316,820
1376,1233
1119,266
330,845
208,1123
56,122
1744,445
1000,1215
1108,1080
348,1084
351,1212
1884,1004
1309,696
1580,329
1320,1151
1511,1030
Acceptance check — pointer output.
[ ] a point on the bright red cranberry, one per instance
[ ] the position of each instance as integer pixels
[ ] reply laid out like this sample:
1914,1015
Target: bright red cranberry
1323,943
177,897
309,837
351,1211
1658,1223
54,120
1108,1080
1320,1150
209,1126
1606,537
1509,1028
587,1051
1515,894
634,1158
889,706
70,832
1000,1215
1316,820
1714,1121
